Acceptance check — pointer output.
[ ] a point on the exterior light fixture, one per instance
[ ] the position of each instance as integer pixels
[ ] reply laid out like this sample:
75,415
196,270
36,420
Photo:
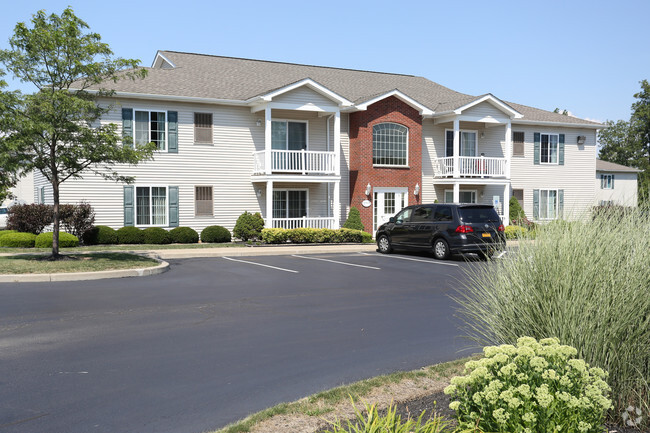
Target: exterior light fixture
416,191
259,122
581,139
368,189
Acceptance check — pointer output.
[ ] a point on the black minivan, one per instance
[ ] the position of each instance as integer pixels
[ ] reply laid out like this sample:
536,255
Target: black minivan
444,229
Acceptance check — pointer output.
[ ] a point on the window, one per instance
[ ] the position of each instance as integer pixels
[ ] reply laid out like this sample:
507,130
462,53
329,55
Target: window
548,204
286,135
151,205
464,196
422,214
389,144
549,148
289,203
519,195
150,126
203,204
403,216
442,213
468,143
203,128
517,143
606,181
42,195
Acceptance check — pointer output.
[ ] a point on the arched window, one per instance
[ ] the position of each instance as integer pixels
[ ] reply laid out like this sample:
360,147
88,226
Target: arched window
389,144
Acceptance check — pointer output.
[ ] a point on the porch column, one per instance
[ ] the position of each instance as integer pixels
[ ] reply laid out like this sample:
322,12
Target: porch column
456,192
267,141
337,204
456,152
508,148
506,204
337,144
268,221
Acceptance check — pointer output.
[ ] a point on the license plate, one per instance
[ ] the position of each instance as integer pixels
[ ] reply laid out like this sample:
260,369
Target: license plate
487,235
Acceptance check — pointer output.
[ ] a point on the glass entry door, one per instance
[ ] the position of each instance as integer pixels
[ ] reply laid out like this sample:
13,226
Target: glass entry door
387,202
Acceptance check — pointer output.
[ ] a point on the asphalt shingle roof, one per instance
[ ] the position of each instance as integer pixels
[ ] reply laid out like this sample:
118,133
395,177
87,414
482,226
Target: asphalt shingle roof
207,76
610,166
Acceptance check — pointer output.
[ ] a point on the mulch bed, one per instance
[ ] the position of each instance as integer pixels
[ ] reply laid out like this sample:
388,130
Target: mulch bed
439,403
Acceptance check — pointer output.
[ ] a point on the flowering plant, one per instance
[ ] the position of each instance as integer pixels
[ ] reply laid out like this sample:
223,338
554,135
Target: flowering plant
533,387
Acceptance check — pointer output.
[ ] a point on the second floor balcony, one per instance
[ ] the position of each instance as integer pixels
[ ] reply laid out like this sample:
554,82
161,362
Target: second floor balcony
302,162
470,166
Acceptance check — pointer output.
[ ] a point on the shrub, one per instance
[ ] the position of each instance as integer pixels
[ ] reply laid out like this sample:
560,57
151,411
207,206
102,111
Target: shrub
249,226
130,235
100,235
275,236
515,232
18,240
66,240
29,218
184,235
77,219
585,283
215,234
156,235
324,236
516,212
301,235
348,235
6,232
534,387
354,220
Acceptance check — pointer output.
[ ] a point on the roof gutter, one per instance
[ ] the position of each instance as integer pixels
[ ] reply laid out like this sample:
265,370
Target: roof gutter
566,125
175,98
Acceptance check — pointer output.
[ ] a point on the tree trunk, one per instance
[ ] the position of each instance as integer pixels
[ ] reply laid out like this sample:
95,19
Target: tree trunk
55,228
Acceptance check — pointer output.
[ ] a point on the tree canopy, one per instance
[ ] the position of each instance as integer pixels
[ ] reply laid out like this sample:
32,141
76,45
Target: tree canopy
57,130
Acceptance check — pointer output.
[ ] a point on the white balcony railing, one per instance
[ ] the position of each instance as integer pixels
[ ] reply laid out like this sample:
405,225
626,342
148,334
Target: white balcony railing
470,166
296,161
304,222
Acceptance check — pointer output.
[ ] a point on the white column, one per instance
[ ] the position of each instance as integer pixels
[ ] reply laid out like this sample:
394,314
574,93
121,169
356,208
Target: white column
508,148
267,140
337,204
268,221
506,204
337,143
456,192
456,150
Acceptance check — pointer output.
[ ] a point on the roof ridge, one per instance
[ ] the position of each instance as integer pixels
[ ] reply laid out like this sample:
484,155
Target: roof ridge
291,63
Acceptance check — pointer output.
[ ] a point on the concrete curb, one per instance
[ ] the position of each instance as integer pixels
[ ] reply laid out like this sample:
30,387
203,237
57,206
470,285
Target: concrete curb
260,251
82,276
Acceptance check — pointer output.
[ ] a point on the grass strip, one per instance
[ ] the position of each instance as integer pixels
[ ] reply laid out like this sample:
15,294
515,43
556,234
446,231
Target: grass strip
34,263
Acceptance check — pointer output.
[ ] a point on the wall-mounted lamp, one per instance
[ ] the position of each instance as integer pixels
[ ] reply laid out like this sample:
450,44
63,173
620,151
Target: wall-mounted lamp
259,122
416,191
482,134
368,189
258,192
581,139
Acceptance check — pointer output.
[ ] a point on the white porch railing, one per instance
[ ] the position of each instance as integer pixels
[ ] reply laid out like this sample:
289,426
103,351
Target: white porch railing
472,166
304,222
296,161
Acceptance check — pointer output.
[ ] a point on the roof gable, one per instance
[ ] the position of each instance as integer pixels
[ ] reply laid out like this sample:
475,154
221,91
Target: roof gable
402,97
307,82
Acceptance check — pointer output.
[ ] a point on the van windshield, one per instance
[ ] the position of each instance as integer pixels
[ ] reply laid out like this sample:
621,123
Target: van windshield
478,214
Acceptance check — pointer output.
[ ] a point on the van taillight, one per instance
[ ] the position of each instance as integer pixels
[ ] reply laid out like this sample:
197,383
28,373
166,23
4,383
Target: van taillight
464,229
501,228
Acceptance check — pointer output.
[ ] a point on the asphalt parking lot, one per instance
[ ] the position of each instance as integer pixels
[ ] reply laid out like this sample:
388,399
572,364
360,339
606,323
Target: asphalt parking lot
214,339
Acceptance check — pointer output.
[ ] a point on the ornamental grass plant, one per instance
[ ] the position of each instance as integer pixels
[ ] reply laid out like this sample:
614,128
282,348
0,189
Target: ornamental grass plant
586,283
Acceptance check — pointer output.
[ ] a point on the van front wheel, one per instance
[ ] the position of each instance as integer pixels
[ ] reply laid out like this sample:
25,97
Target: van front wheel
384,244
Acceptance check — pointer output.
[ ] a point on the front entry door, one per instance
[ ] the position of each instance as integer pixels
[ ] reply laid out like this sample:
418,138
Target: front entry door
387,202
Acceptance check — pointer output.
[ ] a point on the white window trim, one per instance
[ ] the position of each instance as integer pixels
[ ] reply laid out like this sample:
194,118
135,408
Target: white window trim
606,179
213,192
287,208
153,110
557,204
211,143
407,147
135,205
460,138
474,191
541,134
306,122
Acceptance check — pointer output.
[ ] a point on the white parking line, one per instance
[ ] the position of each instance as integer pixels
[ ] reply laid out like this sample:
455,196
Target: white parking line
334,261
261,264
411,259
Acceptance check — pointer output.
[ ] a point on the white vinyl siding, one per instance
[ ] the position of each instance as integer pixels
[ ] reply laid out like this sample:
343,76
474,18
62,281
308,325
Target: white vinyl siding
306,98
623,193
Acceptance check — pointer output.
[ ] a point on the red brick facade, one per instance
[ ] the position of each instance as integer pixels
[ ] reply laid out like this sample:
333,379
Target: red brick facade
362,171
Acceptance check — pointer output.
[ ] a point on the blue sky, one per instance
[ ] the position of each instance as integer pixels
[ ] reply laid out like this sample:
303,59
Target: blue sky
584,56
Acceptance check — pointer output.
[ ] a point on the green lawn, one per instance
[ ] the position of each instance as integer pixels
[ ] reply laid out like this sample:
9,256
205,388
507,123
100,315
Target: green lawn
124,247
33,263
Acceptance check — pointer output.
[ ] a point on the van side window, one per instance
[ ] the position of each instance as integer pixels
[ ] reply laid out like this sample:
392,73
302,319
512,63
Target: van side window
403,216
422,214
442,213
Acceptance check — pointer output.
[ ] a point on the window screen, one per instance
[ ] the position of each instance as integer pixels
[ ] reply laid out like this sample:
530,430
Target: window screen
203,128
517,143
203,201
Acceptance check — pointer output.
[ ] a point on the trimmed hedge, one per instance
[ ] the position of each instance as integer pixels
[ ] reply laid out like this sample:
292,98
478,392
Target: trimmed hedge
18,240
6,232
130,235
354,220
515,232
184,235
248,226
307,235
66,240
215,234
100,235
156,235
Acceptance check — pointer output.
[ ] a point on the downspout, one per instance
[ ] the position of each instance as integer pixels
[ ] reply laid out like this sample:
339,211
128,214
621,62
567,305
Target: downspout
329,208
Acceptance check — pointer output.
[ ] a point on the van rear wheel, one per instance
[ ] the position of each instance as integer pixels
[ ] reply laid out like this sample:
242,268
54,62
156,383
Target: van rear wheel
441,249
